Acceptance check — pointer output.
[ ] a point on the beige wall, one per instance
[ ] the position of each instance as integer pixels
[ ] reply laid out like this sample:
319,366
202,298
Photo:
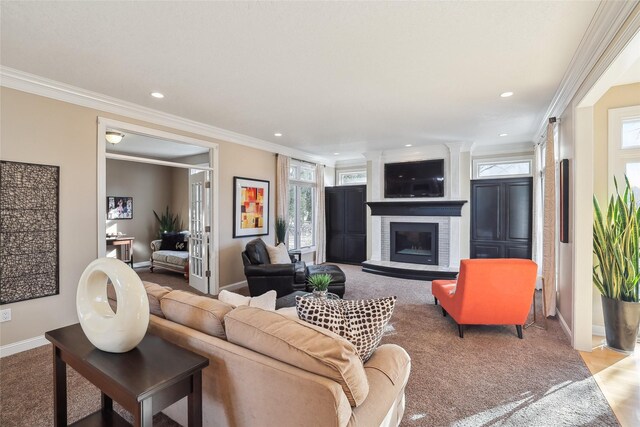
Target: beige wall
236,160
564,301
42,130
151,188
180,194
616,97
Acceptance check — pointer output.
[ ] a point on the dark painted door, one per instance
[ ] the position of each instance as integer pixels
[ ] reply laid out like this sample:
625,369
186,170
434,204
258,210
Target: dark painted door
501,218
346,224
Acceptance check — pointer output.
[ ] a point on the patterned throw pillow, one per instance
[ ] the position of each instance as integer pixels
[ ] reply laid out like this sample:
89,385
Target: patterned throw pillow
361,322
174,242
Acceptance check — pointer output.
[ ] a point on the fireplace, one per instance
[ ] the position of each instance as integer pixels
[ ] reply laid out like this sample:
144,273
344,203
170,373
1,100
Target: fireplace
414,242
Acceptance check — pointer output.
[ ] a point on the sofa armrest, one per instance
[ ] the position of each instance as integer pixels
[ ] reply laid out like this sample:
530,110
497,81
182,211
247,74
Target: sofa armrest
300,272
269,270
155,245
387,371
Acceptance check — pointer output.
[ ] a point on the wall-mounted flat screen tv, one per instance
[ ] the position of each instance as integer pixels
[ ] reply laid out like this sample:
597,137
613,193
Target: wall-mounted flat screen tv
414,179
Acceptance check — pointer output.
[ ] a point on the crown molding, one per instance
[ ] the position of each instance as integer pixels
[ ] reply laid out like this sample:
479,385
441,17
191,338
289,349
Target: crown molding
37,85
596,47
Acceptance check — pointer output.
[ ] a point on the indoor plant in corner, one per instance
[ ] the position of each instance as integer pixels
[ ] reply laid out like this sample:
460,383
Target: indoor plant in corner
320,284
281,230
616,273
168,222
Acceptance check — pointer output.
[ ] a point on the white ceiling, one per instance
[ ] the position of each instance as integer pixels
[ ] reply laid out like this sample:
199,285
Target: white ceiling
156,148
347,77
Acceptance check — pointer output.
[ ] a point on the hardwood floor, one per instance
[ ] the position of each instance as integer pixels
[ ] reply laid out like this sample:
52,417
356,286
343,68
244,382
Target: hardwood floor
618,376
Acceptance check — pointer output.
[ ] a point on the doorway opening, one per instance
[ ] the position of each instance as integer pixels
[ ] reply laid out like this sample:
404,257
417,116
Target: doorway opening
174,176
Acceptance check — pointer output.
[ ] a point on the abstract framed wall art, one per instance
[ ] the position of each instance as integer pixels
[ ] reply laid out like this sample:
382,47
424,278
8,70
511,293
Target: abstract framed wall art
250,207
119,207
29,231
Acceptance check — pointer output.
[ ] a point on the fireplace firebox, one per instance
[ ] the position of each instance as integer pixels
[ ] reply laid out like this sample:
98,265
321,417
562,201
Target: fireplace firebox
414,242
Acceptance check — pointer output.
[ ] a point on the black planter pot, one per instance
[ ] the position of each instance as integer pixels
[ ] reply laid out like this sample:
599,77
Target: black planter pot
621,322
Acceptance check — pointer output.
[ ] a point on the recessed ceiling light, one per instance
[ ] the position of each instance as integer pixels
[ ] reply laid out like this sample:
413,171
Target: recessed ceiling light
506,94
335,154
277,134
157,95
504,134
408,145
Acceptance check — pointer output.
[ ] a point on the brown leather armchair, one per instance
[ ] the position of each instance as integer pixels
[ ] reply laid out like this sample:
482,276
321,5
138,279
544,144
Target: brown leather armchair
262,276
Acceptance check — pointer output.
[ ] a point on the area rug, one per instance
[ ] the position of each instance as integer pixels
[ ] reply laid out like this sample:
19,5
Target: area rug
489,378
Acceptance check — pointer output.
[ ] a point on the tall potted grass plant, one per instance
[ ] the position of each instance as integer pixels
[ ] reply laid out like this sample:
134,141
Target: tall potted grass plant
616,272
281,230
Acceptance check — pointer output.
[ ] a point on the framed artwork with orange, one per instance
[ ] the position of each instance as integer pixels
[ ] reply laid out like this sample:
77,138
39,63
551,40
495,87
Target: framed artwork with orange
250,207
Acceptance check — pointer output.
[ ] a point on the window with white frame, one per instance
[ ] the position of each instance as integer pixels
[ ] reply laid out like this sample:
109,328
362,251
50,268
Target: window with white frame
624,147
352,177
302,189
502,167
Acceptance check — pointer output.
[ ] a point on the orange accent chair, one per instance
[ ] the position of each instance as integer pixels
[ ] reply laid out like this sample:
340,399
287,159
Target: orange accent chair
488,292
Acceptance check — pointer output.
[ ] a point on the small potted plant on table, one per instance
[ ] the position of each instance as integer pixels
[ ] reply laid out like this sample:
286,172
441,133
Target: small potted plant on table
616,273
320,284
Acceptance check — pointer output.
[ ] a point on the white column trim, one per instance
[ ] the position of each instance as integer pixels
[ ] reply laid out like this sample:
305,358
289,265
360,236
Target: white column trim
582,260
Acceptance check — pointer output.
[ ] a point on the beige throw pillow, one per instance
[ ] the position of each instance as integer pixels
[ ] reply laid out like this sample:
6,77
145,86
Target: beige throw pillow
361,322
197,312
279,254
266,301
302,345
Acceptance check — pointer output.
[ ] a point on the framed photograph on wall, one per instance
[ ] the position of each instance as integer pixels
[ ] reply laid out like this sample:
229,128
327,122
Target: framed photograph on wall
119,207
250,207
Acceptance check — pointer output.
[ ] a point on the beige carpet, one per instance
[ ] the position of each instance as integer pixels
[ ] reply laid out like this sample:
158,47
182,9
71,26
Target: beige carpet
489,378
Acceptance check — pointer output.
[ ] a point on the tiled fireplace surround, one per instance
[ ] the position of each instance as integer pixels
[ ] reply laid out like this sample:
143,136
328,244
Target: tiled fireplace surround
443,235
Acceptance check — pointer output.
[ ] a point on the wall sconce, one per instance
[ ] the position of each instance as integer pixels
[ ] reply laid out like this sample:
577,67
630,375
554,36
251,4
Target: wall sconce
113,137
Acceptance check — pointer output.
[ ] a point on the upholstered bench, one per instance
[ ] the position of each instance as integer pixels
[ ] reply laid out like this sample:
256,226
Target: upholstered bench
336,286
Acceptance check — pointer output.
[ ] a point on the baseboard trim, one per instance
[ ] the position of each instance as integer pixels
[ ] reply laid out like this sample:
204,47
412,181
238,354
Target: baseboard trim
564,325
142,264
234,286
20,346
597,330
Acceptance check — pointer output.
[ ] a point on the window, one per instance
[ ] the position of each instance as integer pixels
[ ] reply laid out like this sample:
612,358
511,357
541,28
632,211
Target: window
631,133
502,168
302,186
356,177
624,147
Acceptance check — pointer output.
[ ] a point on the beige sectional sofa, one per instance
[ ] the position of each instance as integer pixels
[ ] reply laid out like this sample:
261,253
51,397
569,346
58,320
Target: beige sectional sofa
269,369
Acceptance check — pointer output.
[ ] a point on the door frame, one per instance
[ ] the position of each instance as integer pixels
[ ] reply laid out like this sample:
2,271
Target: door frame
102,156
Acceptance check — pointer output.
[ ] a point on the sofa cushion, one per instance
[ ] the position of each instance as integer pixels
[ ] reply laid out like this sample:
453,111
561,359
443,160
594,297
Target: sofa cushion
201,313
300,344
171,257
278,254
154,291
257,252
266,301
361,322
173,242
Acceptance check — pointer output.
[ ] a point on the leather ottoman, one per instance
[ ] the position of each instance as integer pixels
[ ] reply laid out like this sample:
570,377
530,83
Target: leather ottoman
336,286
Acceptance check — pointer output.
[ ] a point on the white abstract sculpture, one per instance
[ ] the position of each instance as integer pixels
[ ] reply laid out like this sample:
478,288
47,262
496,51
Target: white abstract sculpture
116,332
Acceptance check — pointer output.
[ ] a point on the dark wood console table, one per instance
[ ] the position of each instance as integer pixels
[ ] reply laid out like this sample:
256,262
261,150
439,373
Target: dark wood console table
144,380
